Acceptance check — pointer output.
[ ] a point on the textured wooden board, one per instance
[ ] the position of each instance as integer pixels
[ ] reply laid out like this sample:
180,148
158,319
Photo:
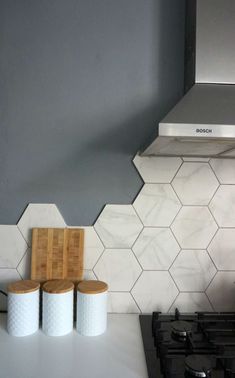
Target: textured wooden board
57,253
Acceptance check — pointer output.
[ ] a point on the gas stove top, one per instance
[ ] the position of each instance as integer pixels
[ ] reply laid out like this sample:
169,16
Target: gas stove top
193,345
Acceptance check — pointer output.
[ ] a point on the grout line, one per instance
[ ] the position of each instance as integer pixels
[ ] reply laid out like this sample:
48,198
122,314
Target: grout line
220,183
211,280
142,268
136,280
174,260
174,281
210,301
173,302
182,162
135,302
23,236
213,218
130,291
138,216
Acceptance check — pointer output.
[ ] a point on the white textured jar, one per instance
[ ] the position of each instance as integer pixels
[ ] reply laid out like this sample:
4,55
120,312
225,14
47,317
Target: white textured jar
92,307
57,307
23,308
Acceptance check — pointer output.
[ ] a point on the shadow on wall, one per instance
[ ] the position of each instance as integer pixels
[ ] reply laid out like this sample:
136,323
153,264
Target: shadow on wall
79,157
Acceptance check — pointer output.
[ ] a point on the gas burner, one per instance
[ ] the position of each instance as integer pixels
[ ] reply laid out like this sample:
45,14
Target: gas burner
198,366
181,328
189,345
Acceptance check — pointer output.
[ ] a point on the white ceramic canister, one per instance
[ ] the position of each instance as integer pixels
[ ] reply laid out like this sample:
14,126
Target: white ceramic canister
57,307
92,307
23,308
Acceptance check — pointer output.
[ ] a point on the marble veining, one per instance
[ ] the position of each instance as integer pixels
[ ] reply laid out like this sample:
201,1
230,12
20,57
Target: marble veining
222,249
194,227
157,169
122,303
191,302
193,270
195,183
224,170
118,226
157,205
155,291
119,268
172,247
156,248
222,206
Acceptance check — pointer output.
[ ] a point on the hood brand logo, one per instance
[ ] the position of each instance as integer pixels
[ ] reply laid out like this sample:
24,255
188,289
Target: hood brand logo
204,131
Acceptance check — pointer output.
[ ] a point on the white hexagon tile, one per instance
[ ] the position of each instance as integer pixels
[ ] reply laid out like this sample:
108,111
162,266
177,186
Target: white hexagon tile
221,291
12,246
194,227
222,206
24,267
173,247
193,270
191,302
6,277
157,205
157,169
119,268
195,183
122,303
222,249
118,226
155,291
39,215
93,248
156,248
224,170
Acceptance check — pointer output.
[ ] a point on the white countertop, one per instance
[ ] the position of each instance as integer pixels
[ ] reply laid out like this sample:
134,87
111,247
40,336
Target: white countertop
116,354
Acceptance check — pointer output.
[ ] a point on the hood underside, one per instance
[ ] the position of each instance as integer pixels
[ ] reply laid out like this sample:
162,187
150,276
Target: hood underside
203,122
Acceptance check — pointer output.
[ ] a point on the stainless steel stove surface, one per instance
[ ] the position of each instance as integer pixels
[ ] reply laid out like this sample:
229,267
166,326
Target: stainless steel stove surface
189,345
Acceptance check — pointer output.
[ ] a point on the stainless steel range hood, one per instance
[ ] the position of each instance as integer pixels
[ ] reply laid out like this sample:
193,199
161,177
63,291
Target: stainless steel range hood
203,122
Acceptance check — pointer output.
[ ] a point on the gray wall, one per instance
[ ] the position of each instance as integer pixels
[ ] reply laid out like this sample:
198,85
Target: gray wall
83,84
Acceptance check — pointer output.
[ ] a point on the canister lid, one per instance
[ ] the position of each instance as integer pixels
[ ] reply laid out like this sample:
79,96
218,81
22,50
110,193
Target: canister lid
92,287
58,286
23,287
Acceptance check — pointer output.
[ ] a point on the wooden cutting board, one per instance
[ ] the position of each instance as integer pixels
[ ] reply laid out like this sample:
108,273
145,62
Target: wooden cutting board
57,253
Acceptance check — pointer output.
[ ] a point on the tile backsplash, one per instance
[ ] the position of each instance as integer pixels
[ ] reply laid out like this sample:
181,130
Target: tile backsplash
173,247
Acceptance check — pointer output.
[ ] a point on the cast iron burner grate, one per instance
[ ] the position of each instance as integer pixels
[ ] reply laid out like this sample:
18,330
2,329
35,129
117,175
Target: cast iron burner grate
189,345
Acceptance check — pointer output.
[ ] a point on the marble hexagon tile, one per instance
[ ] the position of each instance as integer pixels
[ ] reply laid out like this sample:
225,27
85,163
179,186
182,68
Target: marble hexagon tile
157,205
89,275
157,169
221,291
222,206
6,277
93,247
24,267
154,291
195,183
222,249
119,268
224,170
39,215
194,227
122,303
193,270
12,246
118,226
191,302
156,248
